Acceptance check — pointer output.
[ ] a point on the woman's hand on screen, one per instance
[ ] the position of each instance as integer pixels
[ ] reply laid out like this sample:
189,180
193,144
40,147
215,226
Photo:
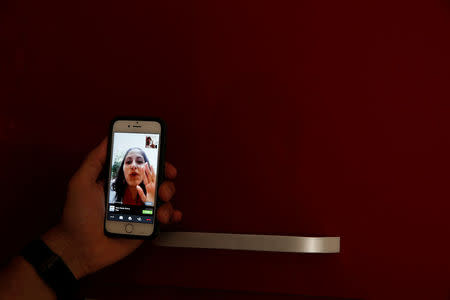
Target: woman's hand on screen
150,186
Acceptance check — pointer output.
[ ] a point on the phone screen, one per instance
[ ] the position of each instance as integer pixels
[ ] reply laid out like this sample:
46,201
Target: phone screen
133,177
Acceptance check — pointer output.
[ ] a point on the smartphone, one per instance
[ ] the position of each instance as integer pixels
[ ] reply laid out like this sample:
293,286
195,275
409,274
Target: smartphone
135,170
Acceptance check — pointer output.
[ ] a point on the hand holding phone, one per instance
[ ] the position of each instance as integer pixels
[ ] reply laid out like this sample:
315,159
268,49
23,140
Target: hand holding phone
79,237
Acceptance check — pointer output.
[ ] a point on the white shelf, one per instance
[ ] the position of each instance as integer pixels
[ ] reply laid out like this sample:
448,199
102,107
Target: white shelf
252,242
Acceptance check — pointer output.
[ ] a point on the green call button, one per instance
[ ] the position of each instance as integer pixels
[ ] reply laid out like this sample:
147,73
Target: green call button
147,212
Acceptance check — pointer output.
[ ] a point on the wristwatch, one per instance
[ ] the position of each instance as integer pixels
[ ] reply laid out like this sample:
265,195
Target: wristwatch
52,269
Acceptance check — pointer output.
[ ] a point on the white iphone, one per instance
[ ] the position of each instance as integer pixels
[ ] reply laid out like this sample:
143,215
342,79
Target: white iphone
136,167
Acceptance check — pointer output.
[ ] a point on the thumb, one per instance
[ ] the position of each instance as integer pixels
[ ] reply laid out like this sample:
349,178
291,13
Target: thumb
93,163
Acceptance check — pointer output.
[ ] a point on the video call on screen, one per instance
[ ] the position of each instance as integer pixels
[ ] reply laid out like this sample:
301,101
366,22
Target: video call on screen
130,154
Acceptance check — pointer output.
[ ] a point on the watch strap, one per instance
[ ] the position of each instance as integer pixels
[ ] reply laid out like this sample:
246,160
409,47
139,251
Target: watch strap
52,269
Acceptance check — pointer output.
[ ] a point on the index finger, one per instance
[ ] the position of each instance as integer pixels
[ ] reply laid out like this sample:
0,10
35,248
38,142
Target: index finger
152,174
148,172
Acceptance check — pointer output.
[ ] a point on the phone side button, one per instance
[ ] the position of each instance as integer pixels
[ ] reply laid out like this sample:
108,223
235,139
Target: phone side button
129,228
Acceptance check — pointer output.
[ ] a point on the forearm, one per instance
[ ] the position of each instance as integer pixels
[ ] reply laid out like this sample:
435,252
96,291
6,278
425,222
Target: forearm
19,280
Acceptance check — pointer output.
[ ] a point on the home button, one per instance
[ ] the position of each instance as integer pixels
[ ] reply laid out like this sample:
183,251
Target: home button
129,228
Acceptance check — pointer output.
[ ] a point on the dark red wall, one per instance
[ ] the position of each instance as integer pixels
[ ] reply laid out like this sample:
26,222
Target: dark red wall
288,117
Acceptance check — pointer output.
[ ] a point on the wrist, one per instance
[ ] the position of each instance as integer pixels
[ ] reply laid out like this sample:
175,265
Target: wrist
61,244
19,280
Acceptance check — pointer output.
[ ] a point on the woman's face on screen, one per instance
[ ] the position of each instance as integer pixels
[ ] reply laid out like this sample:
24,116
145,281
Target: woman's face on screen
133,167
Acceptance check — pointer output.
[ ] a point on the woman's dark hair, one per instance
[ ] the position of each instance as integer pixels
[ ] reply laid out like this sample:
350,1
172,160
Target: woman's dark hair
119,185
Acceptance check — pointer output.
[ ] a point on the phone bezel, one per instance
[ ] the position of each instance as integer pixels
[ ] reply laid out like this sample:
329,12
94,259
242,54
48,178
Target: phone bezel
135,125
